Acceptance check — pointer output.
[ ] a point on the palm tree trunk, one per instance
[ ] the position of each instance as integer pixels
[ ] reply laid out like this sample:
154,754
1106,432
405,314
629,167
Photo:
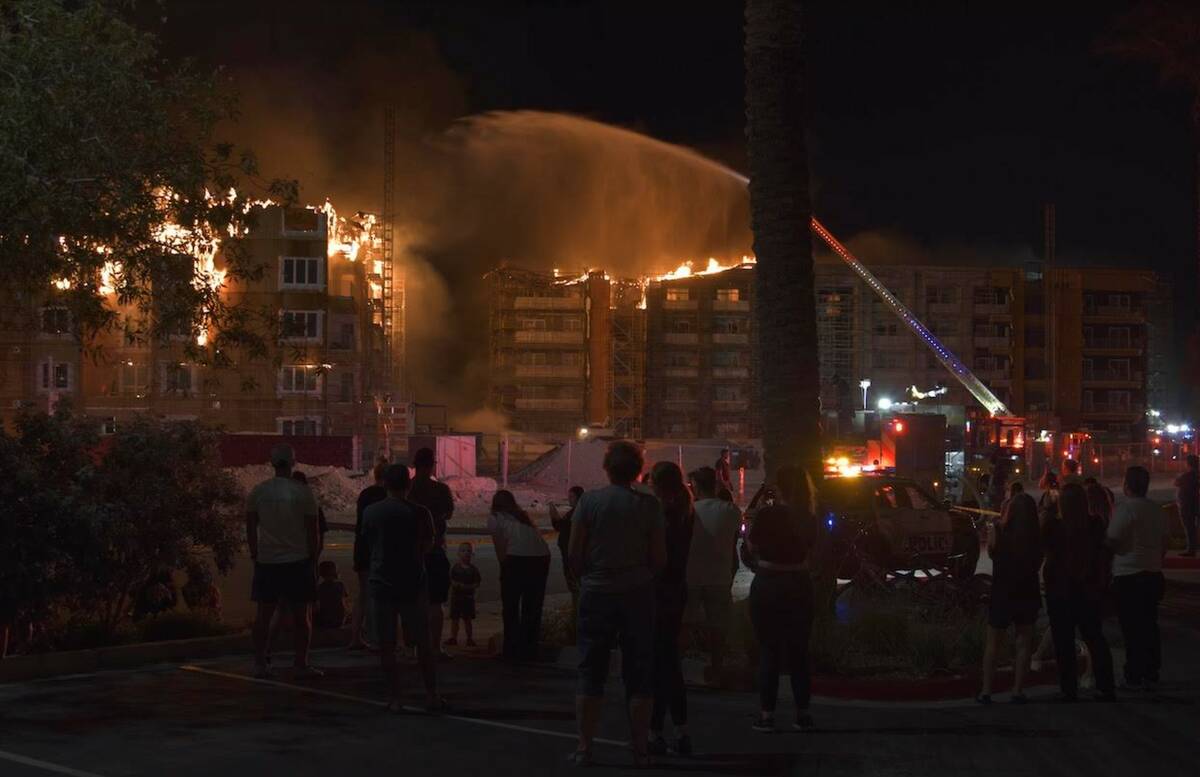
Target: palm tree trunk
785,312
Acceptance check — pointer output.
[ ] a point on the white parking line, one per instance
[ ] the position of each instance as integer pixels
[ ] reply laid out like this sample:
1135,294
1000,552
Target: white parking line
376,703
45,765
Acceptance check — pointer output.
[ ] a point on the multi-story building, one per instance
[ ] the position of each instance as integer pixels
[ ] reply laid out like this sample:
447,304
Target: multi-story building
700,345
1069,348
316,303
565,353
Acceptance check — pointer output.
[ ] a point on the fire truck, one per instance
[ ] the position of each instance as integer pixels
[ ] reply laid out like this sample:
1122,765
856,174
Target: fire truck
998,433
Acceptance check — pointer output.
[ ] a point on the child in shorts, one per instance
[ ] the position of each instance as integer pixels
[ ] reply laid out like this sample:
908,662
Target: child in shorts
464,581
331,598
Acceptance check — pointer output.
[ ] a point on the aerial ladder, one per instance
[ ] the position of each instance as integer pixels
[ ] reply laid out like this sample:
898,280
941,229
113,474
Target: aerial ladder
1004,430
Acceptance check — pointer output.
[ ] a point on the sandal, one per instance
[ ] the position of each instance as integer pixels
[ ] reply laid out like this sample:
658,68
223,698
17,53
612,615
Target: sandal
984,698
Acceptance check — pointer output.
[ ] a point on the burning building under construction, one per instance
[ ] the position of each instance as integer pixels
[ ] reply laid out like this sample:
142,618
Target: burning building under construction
333,365
566,352
1068,347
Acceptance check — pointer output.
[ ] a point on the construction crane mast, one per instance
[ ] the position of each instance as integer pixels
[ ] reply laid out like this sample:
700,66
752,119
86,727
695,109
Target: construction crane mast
943,354
389,251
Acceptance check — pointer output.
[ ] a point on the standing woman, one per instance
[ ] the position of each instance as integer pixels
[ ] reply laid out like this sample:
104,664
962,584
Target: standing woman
670,599
1016,549
1076,576
524,566
781,596
1099,502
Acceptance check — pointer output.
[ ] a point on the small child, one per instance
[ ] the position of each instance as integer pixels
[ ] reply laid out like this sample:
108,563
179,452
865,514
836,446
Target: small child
331,598
464,580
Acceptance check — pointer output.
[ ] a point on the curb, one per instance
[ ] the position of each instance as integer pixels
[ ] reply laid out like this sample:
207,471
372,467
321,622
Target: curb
41,665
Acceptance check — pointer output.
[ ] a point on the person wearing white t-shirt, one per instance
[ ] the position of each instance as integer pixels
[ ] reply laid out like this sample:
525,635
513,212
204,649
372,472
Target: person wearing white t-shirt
524,560
282,533
712,561
1137,535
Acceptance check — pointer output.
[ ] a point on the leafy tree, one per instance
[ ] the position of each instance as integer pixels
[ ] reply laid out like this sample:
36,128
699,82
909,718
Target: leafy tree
88,521
162,503
780,210
46,468
111,175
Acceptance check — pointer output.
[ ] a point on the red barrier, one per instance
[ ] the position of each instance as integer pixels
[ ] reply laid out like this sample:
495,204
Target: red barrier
240,450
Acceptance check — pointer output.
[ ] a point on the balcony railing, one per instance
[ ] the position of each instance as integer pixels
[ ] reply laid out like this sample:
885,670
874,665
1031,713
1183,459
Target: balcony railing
524,403
731,405
730,338
548,303
993,341
679,304
1113,408
731,372
942,308
681,372
681,338
1104,376
548,371
990,309
740,305
548,336
1113,343
1115,311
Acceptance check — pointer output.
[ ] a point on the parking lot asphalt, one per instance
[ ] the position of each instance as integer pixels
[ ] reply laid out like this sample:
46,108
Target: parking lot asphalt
211,718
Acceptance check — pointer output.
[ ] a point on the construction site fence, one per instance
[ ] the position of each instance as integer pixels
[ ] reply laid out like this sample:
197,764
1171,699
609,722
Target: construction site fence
1110,460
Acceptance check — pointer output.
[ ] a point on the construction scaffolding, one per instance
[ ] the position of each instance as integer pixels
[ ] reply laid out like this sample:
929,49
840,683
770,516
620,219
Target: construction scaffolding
628,321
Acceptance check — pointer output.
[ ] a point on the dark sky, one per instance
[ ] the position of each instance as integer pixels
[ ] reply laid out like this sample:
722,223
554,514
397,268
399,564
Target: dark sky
949,123
937,131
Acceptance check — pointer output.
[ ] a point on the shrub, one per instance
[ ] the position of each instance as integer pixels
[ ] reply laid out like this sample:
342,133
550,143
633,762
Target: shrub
86,526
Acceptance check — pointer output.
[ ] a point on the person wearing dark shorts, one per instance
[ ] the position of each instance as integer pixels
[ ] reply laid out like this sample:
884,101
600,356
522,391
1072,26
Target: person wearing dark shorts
617,545
281,530
396,535
1015,545
439,501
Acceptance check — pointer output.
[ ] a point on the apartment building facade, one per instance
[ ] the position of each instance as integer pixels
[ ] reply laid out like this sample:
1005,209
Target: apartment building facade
700,364
316,305
565,353
1069,348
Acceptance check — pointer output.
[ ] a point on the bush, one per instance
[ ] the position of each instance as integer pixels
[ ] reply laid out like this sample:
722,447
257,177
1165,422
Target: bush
893,631
86,526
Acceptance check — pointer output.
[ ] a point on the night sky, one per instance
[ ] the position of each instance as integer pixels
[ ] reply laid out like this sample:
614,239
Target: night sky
949,123
937,131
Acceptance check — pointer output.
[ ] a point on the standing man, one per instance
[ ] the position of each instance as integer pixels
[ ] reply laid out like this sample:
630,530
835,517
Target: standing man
437,499
396,536
281,530
1137,535
1070,473
722,469
562,525
1187,499
712,563
373,493
618,543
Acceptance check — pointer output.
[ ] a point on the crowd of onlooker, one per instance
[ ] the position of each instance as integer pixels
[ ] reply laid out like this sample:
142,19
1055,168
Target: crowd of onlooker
1085,555
655,551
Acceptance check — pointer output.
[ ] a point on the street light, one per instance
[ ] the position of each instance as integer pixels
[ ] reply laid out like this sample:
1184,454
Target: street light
864,384
884,403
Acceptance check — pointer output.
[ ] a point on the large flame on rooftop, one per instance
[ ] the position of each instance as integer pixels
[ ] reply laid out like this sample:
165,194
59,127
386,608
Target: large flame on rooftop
713,266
